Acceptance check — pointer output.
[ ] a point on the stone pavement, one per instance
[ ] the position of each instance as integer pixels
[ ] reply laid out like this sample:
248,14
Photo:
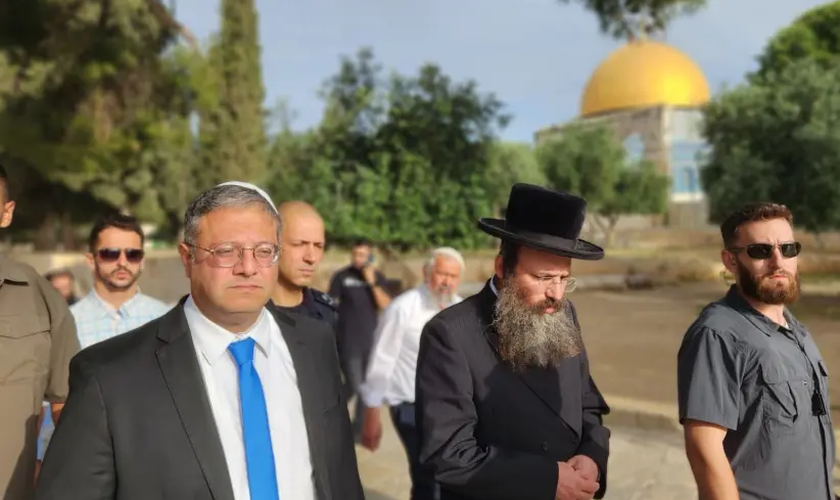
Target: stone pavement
632,352
633,349
644,465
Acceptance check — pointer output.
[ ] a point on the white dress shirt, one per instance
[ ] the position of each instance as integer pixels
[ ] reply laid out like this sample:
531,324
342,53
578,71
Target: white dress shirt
393,362
273,363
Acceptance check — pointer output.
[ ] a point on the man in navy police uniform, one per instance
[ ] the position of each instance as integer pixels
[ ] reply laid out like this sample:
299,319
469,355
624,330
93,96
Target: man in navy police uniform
301,250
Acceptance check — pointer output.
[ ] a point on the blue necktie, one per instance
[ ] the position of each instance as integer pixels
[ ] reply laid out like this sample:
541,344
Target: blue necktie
259,456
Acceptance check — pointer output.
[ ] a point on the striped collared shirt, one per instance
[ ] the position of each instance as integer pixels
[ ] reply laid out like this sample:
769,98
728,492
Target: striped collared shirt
96,320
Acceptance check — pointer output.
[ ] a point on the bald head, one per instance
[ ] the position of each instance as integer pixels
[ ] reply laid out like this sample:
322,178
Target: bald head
302,243
297,209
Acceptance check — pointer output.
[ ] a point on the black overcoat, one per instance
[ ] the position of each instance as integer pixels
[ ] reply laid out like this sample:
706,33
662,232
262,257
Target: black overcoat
490,433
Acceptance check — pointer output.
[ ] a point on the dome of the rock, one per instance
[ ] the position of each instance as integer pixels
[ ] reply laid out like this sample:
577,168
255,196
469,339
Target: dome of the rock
644,73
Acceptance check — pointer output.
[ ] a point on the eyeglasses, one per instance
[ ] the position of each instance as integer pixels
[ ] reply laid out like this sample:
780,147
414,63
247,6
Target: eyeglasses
569,283
762,251
132,255
229,254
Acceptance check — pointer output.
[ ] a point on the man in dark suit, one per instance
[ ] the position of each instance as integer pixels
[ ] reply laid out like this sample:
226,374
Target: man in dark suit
222,398
504,400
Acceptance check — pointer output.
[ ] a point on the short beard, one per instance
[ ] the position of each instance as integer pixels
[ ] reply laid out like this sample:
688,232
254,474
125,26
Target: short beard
529,338
111,285
763,289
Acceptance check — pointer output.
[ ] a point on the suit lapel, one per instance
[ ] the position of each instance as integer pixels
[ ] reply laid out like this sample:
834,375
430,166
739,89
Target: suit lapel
315,397
179,365
545,383
310,374
307,373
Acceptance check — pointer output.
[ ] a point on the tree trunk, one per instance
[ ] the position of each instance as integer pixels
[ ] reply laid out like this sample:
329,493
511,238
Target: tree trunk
45,235
612,221
601,229
68,237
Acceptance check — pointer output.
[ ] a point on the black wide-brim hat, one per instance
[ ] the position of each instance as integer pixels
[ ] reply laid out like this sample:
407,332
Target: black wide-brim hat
545,220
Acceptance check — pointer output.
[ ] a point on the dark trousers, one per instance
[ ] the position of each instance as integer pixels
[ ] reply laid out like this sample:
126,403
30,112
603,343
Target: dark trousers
354,366
423,485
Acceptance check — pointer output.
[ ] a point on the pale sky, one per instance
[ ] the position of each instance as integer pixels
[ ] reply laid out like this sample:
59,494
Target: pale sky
535,55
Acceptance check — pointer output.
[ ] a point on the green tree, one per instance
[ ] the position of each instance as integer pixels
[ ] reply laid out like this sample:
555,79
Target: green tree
408,161
234,129
354,111
88,86
814,35
777,141
288,156
511,163
589,161
623,18
452,126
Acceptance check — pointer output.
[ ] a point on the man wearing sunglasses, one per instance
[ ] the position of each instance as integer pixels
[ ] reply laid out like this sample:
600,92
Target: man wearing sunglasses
753,387
115,304
224,397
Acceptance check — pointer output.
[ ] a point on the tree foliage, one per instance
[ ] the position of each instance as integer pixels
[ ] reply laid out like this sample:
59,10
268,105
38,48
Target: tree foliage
101,109
588,160
815,35
233,126
409,161
93,99
509,164
775,139
627,18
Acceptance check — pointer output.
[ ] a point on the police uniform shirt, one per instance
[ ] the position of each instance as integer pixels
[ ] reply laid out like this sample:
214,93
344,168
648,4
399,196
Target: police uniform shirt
317,305
768,386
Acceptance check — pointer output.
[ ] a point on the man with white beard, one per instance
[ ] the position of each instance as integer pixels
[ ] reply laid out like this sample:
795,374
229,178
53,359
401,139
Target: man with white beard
506,407
391,370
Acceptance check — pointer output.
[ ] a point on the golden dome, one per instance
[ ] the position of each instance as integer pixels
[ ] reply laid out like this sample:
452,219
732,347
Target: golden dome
644,73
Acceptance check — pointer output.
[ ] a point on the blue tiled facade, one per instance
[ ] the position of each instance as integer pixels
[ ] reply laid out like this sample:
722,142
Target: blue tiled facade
685,174
685,145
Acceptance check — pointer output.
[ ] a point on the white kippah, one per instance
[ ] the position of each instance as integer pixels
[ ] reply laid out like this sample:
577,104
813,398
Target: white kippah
252,188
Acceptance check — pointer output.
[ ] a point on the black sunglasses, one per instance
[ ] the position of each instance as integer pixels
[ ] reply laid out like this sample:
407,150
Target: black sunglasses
133,255
761,251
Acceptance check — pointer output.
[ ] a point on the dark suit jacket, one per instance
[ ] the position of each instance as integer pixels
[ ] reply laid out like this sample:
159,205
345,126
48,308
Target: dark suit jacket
138,426
490,433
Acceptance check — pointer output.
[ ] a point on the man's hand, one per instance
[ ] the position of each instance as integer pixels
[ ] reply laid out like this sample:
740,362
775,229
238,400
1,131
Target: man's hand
371,429
571,485
369,274
585,466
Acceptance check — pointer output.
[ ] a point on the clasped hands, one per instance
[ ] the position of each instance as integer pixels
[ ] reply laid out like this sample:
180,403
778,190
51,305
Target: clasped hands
577,479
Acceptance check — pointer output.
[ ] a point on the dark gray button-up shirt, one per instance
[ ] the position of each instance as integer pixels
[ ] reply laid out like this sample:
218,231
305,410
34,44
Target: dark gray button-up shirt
738,369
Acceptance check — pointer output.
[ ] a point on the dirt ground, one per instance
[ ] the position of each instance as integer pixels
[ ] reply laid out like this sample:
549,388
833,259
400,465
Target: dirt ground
633,337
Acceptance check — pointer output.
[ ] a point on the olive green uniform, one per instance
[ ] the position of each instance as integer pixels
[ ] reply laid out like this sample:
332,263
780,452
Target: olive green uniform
37,340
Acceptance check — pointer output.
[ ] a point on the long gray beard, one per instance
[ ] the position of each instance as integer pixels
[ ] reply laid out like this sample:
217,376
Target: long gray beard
528,338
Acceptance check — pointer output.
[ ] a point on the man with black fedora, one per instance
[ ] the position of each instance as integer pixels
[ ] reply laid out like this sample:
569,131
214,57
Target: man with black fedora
505,403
